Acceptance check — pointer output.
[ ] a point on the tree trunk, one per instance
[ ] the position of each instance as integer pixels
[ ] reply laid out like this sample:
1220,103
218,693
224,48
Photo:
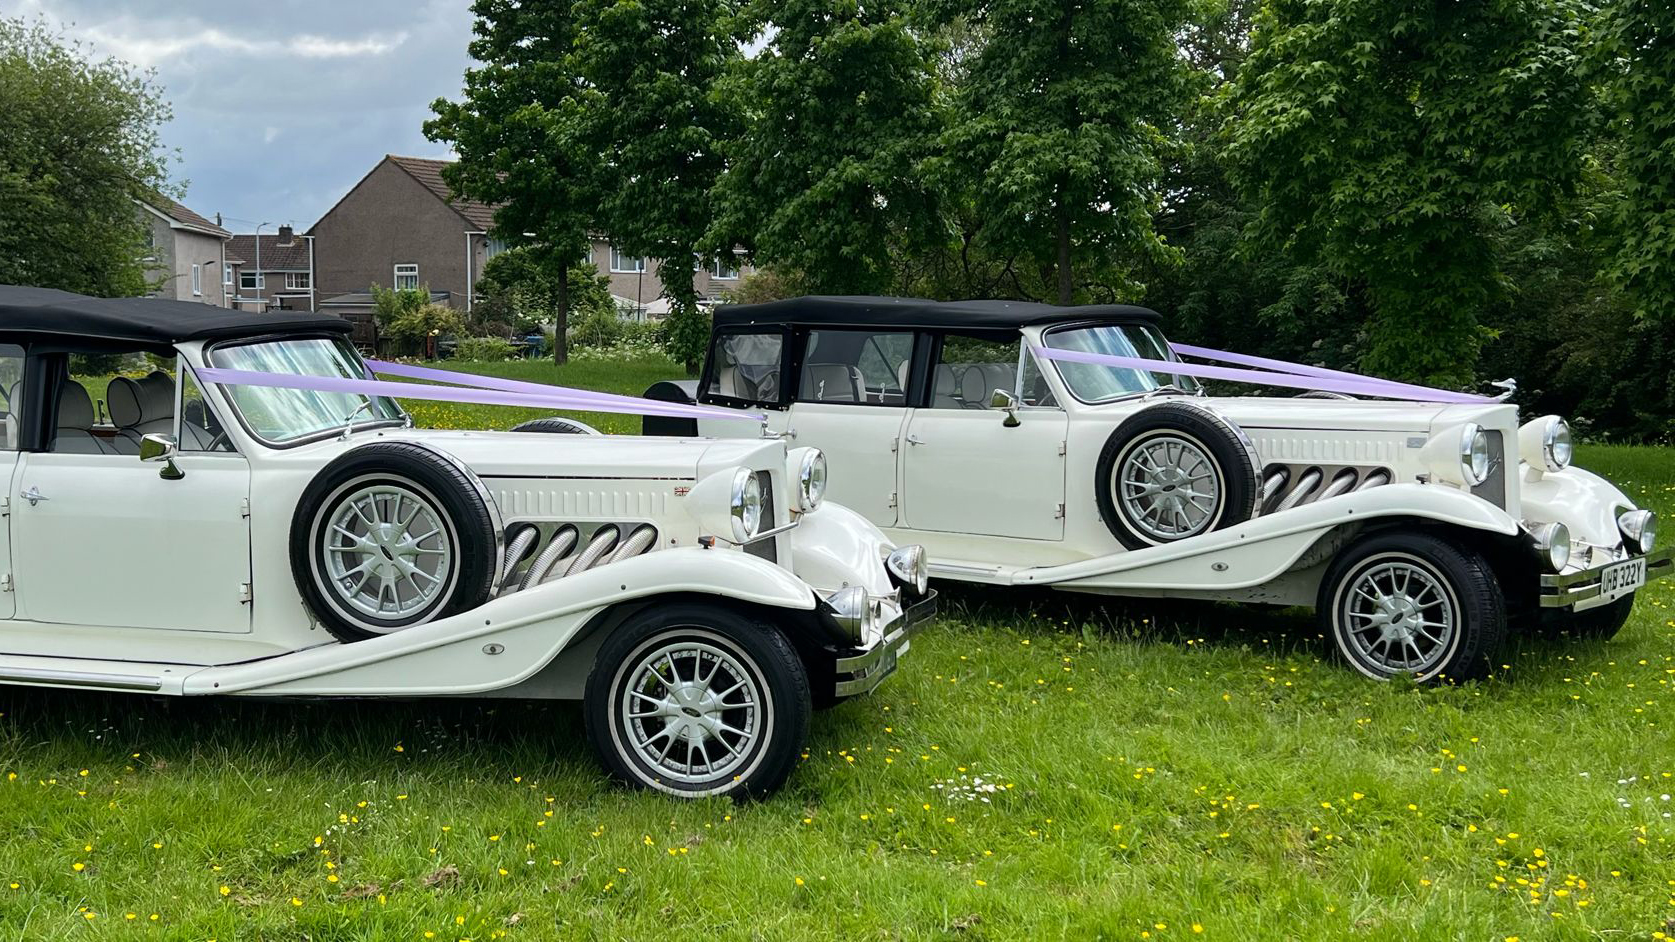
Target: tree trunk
561,318
1063,250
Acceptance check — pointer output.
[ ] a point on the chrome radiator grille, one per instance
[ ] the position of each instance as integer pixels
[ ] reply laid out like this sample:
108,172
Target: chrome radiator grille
1493,488
767,549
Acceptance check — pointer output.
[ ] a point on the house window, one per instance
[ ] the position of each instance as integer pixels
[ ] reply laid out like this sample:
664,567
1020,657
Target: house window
724,269
197,280
226,274
626,263
252,280
406,277
298,280
494,247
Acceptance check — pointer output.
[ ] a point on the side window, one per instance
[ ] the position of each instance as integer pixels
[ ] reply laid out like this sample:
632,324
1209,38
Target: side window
200,430
970,369
859,366
11,387
746,367
108,401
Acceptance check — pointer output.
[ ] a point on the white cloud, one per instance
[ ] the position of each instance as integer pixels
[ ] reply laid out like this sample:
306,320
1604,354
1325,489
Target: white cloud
157,49
270,134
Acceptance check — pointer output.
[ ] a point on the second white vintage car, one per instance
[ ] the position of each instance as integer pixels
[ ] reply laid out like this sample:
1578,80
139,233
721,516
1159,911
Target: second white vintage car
1420,531
174,534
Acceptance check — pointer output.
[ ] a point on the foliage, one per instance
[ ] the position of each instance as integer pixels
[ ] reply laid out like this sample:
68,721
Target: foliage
598,329
1058,119
79,143
766,284
1637,43
520,290
522,135
392,304
1390,142
824,178
407,314
484,349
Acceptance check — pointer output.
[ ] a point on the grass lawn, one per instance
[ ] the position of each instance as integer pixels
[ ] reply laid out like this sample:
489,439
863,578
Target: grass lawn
1042,766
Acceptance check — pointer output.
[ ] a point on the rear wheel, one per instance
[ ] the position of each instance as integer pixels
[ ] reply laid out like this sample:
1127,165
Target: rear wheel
1410,603
696,700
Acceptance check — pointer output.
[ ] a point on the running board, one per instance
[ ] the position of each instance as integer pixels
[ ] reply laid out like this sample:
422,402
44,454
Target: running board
85,674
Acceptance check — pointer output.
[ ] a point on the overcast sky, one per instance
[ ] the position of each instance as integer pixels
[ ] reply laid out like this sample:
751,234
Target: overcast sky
280,106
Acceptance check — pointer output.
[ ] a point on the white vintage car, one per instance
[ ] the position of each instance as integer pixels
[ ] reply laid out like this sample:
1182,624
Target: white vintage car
173,535
1418,530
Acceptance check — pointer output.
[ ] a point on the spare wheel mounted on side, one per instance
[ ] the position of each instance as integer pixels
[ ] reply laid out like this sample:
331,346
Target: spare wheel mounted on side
1175,470
556,425
390,535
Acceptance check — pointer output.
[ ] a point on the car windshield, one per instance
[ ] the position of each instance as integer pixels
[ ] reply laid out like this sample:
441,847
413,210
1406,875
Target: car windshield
281,415
1092,382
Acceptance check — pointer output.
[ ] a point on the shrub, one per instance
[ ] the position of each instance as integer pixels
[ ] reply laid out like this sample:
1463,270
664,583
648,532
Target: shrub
484,349
597,328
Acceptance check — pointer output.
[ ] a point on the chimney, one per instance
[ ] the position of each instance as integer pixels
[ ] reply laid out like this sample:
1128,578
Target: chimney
285,235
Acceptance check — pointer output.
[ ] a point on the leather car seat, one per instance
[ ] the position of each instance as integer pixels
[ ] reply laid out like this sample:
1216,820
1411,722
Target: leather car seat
74,434
832,382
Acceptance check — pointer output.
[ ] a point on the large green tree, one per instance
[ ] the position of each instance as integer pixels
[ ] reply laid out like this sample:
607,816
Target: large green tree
1637,42
657,125
78,145
824,180
1058,119
524,137
1392,141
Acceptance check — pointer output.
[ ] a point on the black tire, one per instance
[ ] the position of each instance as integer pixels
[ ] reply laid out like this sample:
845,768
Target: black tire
1229,453
1467,601
1593,624
757,652
447,494
1323,394
556,426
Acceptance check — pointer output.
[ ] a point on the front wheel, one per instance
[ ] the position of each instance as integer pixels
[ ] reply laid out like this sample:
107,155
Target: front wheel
1410,603
1600,623
696,700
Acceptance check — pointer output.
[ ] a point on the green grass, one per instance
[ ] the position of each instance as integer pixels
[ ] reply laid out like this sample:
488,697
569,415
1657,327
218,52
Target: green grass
629,378
1158,766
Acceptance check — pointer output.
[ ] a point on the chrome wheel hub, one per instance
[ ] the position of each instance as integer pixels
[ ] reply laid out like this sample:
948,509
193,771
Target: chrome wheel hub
1168,487
1399,616
692,711
388,553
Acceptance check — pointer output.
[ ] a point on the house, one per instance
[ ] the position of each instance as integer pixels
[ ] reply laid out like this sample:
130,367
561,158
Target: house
399,228
188,253
274,270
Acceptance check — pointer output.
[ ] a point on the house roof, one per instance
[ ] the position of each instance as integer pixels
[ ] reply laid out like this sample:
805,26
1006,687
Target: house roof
143,323
429,174
183,216
861,311
275,255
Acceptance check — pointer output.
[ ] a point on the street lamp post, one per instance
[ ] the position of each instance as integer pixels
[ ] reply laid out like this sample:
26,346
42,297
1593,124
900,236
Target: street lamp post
260,280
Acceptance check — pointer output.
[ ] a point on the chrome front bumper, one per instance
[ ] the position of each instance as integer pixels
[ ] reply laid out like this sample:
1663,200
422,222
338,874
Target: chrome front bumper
860,673
1586,588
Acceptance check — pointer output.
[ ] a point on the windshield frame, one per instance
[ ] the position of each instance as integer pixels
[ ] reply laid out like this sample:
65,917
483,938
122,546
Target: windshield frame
1191,388
400,420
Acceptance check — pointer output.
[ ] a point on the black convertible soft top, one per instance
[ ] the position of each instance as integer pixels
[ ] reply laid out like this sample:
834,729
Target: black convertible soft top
861,311
43,314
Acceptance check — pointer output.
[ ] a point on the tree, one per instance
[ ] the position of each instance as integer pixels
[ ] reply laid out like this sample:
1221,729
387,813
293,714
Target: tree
1057,123
1391,141
80,144
1637,44
524,277
522,133
656,122
839,114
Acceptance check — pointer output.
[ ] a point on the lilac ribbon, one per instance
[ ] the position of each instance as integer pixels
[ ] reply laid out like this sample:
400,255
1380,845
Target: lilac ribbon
558,397
1299,369
1357,386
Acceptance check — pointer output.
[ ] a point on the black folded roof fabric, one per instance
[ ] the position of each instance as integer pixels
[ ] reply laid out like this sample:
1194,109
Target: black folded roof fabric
909,313
44,314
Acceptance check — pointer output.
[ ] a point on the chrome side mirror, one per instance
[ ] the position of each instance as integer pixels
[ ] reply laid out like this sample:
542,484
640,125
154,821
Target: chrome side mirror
159,447
1007,403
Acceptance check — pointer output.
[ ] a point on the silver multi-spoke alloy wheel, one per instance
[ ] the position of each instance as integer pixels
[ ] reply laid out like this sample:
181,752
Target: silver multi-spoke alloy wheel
1397,614
388,552
1168,486
692,710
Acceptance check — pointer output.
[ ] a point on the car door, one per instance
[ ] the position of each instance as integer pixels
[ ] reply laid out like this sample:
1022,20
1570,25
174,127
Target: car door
11,424
851,403
965,469
102,538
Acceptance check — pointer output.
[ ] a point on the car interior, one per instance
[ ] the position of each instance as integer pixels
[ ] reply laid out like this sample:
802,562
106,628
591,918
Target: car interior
129,410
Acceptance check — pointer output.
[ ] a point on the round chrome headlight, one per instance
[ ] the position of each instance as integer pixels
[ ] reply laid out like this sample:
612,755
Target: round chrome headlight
811,479
1640,529
747,505
909,568
1555,444
1552,541
1474,454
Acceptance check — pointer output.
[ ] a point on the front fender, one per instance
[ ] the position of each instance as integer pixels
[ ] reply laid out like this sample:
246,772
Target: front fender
834,546
1581,500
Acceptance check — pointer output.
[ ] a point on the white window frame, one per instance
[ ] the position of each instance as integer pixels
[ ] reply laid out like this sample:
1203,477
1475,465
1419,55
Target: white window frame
618,259
252,281
293,277
716,269
403,271
226,274
197,280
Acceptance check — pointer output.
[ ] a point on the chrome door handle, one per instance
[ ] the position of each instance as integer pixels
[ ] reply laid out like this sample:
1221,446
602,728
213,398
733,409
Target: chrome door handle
34,495
915,440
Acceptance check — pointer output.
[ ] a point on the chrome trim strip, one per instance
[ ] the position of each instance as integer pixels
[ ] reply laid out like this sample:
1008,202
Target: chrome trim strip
864,666
25,675
1564,591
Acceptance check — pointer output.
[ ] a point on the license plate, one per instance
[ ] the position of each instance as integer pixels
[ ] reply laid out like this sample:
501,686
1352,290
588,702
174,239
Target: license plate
1620,579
